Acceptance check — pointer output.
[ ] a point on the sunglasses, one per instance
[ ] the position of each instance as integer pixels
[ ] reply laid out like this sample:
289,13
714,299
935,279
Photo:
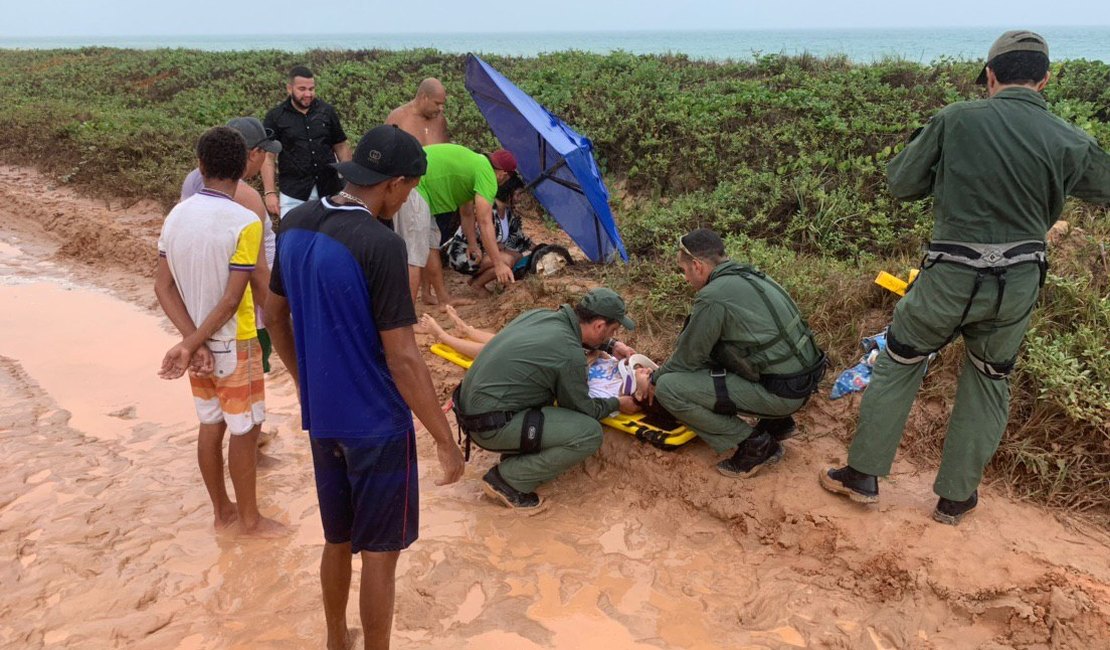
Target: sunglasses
686,251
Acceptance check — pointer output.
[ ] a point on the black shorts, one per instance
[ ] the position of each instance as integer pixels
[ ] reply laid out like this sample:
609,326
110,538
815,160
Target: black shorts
367,489
448,223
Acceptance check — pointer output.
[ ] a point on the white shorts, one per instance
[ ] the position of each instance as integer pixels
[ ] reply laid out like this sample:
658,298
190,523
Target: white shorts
413,222
287,202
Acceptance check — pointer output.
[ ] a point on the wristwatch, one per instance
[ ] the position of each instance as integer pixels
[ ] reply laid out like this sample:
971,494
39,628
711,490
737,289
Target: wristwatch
607,347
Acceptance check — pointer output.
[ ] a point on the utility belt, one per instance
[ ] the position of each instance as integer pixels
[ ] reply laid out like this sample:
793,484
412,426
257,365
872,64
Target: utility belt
531,430
986,256
988,260
797,385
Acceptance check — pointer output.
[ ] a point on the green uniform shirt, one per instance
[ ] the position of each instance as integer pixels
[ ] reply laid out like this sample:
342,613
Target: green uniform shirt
455,175
729,311
999,168
536,360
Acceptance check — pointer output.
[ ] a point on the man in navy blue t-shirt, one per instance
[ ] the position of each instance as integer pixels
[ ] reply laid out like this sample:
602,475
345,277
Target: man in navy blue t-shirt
343,278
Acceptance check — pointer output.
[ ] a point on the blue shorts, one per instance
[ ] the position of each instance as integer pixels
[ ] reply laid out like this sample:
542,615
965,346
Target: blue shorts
367,489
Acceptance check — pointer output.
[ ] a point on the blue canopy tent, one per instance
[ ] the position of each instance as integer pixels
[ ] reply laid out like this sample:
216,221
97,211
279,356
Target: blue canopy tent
555,161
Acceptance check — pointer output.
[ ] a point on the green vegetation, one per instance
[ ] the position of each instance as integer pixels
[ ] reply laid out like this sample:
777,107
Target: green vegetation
785,155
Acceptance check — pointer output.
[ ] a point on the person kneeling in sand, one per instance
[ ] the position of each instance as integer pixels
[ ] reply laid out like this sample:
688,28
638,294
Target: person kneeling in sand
607,376
207,251
506,402
745,349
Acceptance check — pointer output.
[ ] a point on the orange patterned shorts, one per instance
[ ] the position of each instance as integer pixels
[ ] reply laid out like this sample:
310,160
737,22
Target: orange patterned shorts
237,398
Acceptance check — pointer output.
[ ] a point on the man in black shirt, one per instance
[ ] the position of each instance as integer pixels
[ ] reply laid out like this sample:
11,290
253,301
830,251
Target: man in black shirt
311,140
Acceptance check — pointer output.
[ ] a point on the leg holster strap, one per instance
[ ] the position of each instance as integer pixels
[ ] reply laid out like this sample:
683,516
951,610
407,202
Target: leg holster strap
992,370
724,404
902,353
531,431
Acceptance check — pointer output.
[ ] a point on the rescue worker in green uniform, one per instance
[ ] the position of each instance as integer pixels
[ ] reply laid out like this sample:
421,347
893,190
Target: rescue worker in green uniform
506,400
998,170
745,349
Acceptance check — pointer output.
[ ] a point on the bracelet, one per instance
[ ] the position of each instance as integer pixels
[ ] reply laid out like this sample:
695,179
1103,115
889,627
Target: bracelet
269,193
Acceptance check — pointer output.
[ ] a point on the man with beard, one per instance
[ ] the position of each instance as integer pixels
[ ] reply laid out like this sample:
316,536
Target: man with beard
311,140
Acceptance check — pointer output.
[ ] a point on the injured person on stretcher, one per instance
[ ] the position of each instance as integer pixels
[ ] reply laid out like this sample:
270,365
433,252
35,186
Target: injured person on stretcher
607,375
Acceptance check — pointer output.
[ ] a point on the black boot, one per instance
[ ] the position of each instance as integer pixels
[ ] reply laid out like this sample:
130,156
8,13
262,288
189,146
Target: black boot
498,490
751,456
951,512
779,428
857,486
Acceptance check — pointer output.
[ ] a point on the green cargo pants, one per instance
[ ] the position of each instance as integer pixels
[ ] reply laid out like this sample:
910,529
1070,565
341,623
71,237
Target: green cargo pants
924,320
689,396
568,438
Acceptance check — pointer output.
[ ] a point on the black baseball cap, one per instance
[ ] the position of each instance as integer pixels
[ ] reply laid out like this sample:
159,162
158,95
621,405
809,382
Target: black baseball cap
384,153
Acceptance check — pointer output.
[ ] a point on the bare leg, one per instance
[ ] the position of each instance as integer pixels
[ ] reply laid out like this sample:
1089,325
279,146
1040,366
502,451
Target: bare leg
487,273
335,581
465,329
465,346
415,275
242,456
375,599
210,457
434,273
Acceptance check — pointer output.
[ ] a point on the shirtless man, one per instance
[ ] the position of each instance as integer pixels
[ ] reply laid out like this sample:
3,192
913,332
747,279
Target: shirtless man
423,116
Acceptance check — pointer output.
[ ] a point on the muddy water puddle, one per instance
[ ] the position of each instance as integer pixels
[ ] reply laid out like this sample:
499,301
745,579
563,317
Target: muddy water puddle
112,526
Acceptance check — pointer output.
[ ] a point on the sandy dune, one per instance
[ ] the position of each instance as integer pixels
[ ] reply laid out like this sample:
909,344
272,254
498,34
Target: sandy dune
106,528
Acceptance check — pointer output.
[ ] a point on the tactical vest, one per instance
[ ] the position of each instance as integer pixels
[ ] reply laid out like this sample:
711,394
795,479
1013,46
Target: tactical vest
794,381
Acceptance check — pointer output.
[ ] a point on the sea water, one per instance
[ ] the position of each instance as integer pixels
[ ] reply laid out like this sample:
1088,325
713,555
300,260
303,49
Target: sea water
862,45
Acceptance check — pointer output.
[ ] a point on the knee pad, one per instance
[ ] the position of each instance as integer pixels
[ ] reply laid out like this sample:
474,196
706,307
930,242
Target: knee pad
902,353
996,370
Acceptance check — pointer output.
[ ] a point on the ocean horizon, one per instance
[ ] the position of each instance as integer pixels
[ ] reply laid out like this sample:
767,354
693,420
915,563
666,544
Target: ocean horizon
922,45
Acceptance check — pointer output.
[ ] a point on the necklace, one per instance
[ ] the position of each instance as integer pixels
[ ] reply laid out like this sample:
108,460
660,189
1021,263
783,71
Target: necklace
353,199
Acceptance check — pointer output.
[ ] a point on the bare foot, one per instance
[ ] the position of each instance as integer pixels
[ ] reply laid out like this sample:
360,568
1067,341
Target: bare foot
459,302
461,326
226,516
432,327
264,528
429,299
350,640
266,437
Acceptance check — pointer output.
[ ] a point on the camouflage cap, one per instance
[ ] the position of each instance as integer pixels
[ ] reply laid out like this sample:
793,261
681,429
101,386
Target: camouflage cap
1018,40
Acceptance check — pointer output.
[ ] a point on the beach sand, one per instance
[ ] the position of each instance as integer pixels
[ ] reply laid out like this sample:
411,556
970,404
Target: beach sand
107,532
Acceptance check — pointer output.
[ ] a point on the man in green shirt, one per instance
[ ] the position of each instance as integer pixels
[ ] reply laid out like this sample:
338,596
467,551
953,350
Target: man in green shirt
506,400
745,349
461,183
998,170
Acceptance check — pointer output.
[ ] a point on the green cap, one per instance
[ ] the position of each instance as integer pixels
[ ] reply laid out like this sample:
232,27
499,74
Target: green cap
606,302
1018,40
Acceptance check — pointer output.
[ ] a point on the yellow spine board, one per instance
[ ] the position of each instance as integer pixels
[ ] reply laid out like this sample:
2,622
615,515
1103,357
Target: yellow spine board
630,424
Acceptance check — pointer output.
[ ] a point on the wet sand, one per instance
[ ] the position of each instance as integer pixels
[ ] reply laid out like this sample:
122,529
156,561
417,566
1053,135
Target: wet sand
108,529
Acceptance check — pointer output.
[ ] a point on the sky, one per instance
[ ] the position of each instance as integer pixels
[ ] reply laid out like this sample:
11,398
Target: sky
56,18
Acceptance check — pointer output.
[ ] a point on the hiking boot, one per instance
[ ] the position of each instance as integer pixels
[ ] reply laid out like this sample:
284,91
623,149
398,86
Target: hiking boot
857,486
951,512
752,455
779,428
497,489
